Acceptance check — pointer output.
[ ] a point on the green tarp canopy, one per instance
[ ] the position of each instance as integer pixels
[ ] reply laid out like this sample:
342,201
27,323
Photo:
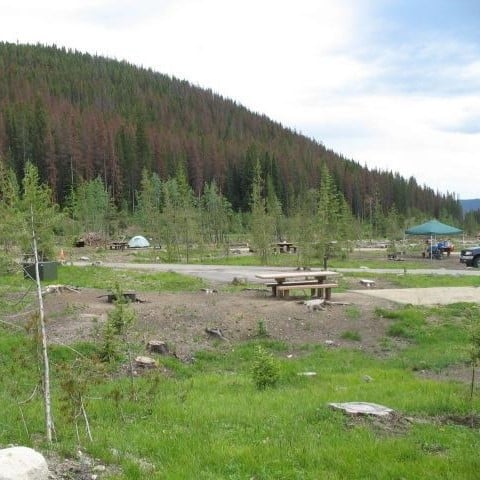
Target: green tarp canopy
433,227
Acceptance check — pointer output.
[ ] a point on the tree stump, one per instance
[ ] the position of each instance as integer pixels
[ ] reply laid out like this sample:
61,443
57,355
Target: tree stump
145,362
125,296
157,346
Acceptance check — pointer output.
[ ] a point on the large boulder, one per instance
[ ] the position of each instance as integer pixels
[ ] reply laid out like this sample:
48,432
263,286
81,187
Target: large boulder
22,463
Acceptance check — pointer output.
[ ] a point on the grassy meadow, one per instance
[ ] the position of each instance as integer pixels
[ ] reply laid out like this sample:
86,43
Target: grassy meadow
207,419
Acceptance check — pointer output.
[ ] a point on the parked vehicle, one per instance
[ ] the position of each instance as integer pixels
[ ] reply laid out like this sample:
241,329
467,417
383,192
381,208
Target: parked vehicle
471,256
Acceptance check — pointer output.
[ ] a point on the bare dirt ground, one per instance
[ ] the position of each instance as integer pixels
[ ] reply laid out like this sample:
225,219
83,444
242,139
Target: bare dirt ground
181,319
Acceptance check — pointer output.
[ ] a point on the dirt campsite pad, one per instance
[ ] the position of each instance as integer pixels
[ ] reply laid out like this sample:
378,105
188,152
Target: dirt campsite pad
182,319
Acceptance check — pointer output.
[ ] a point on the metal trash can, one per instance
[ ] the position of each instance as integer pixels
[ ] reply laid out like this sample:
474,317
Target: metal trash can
46,270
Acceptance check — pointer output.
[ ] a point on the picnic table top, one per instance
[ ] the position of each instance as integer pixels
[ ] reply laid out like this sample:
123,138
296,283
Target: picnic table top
296,274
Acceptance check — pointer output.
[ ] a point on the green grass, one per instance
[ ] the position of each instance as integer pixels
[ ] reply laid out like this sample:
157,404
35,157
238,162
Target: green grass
103,277
434,280
207,419
436,337
417,280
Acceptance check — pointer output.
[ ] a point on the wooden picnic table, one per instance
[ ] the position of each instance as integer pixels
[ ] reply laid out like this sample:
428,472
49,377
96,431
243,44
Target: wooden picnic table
118,245
286,247
315,280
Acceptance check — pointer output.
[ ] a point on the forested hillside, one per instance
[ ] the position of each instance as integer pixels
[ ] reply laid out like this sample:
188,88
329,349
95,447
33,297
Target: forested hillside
470,205
78,116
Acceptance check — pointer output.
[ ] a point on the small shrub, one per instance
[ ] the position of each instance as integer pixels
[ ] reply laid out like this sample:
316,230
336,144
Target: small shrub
119,320
265,371
122,316
386,343
109,351
398,330
261,329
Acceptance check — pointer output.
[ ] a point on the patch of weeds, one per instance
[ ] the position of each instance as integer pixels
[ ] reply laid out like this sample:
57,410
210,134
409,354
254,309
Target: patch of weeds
399,330
353,313
433,448
351,335
386,344
409,321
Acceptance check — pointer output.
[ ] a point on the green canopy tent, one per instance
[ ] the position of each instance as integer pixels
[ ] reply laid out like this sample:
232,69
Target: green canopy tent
433,228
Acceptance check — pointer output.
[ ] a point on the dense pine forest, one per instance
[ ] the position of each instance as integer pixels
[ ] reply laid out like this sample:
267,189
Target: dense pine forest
79,117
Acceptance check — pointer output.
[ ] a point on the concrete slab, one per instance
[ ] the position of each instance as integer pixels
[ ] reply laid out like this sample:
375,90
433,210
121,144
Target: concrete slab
426,296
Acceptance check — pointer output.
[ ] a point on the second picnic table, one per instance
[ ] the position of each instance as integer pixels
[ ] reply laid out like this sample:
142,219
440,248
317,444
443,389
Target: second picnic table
315,280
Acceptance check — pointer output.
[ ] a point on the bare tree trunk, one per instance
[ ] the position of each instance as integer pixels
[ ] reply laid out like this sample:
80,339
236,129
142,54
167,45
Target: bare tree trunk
472,383
46,364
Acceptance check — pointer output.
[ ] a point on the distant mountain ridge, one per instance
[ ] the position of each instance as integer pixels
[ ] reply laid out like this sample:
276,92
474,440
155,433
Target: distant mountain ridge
470,205
78,117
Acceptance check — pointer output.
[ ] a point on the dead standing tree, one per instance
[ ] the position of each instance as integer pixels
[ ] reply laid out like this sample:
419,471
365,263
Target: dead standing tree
43,336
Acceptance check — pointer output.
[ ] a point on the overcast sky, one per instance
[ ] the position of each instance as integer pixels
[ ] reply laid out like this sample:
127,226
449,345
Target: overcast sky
391,84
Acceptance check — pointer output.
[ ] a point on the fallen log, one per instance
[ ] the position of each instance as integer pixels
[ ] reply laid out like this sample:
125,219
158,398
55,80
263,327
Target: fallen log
59,289
330,302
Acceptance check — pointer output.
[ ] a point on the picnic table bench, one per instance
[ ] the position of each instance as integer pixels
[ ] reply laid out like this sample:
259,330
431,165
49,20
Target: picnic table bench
118,245
315,281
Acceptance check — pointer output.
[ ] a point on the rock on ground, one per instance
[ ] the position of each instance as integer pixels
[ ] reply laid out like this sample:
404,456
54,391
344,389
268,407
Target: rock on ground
22,463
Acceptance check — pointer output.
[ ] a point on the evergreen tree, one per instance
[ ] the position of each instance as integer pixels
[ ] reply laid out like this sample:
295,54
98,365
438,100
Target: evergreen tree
378,218
180,217
93,208
216,213
36,203
149,204
189,215
302,226
263,223
274,209
328,214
